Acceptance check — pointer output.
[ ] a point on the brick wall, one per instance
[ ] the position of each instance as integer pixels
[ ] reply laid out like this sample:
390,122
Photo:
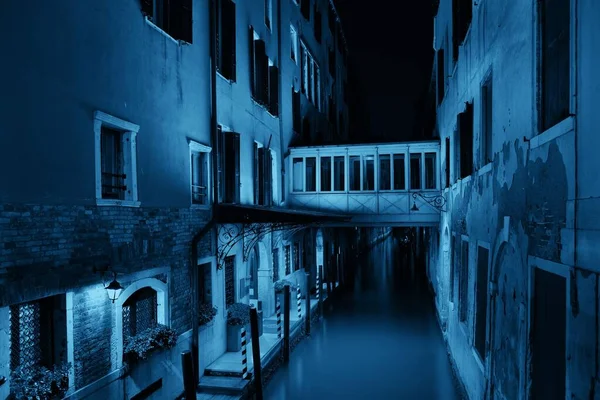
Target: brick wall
46,250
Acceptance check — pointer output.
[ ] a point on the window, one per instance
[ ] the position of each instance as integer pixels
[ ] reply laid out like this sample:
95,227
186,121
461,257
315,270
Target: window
338,174
486,126
298,174
399,172
385,168
311,76
555,40
462,13
229,280
296,256
268,13
482,294
415,171
465,129
140,312
226,39
263,175
229,173
199,161
205,284
368,173
441,76
275,254
259,66
296,112
447,163
305,9
38,334
430,175
273,103
463,282
116,178
293,44
326,174
318,24
354,172
287,259
311,174
331,20
172,17
453,254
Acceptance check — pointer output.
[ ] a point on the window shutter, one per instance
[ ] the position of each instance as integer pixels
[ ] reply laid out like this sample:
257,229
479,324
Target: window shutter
441,75
268,178
180,20
447,162
148,8
274,90
220,165
236,161
252,60
256,174
296,111
465,127
260,70
261,176
232,39
218,39
227,39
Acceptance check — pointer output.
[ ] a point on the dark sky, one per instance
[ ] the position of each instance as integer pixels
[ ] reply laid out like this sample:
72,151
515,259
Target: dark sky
391,56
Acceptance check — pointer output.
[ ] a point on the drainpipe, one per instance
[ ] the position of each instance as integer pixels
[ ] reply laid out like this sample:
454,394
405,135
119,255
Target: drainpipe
280,84
215,186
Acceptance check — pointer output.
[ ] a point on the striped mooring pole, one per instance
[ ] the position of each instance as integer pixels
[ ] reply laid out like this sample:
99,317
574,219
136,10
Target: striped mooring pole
278,310
299,298
318,284
244,355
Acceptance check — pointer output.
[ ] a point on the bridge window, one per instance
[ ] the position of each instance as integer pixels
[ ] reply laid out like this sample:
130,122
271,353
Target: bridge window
354,172
339,175
298,171
415,171
369,173
311,174
385,179
399,171
430,176
325,174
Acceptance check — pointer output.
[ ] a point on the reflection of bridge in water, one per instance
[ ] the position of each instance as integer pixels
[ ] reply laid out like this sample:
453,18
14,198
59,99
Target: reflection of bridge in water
384,184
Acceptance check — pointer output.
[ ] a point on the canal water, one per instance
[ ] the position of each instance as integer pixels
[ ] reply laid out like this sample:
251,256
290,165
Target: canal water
378,340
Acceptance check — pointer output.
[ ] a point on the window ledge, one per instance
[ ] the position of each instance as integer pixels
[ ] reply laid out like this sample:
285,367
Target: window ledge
558,130
478,359
120,203
264,107
229,81
157,28
485,169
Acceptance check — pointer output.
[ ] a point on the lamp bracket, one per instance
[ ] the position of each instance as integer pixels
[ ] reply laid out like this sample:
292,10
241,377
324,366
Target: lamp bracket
436,201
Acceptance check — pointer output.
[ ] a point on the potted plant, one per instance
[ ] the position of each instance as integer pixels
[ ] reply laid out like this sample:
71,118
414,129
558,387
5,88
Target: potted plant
238,317
206,313
140,346
40,382
279,286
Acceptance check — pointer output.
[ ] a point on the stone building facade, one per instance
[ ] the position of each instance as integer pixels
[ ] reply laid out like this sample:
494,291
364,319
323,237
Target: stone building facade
513,267
112,174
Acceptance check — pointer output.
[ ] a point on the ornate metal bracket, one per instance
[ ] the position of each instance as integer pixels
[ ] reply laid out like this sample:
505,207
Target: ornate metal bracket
437,201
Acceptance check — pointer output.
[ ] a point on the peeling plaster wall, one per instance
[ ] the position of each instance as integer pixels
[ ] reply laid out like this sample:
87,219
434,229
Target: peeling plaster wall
547,185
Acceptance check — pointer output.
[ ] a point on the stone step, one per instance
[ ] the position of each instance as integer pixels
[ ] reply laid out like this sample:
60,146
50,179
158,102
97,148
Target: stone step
226,374
222,385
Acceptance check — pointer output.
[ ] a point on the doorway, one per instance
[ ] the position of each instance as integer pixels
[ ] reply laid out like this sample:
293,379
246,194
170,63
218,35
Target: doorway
549,310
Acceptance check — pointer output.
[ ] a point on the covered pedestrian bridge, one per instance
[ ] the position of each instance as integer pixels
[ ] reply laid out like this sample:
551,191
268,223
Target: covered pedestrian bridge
384,184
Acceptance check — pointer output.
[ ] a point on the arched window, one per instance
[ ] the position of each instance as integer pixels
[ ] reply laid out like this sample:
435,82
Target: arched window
140,312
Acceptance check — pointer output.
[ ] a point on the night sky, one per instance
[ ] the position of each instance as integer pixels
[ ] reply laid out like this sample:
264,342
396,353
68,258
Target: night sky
391,58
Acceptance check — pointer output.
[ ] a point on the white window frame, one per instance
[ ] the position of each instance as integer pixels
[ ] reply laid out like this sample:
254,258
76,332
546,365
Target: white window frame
310,75
129,135
294,44
195,148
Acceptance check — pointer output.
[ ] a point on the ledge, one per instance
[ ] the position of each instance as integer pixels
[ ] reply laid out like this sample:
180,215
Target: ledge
485,169
165,34
117,203
558,130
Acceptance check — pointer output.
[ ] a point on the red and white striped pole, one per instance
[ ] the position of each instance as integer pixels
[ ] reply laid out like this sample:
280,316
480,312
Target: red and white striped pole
299,298
278,310
244,355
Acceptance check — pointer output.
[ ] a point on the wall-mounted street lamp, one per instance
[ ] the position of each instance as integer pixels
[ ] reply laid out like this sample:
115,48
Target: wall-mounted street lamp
437,201
114,288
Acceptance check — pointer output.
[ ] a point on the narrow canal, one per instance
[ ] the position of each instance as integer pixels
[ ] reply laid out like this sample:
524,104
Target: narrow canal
378,340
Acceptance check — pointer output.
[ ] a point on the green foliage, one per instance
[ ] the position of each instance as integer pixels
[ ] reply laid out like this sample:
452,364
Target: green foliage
206,313
150,340
279,285
238,314
40,383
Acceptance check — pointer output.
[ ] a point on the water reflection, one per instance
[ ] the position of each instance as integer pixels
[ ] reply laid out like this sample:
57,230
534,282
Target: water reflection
379,340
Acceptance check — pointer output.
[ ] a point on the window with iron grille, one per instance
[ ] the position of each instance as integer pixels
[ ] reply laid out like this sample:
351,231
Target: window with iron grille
199,160
38,332
140,312
225,39
173,17
275,265
287,259
296,256
113,174
463,282
229,280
